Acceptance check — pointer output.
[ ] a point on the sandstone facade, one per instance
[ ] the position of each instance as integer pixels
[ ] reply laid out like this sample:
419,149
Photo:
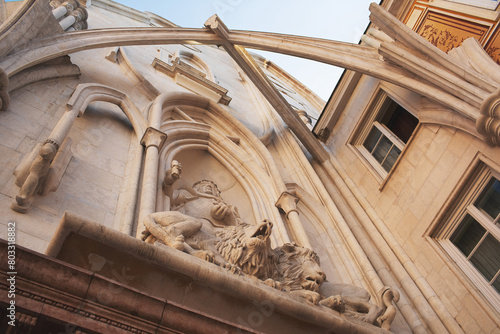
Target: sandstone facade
159,179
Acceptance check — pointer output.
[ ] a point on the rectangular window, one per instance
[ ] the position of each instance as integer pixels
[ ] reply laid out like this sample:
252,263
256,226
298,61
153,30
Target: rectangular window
384,133
470,233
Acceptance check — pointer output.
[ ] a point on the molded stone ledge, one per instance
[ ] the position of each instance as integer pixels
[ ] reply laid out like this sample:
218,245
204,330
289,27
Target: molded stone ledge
189,283
189,78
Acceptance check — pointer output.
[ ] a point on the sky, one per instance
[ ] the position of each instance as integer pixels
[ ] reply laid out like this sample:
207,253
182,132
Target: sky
330,19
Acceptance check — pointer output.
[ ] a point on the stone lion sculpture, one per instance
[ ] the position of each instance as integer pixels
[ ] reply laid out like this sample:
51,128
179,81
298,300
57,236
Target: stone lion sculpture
202,224
298,270
247,249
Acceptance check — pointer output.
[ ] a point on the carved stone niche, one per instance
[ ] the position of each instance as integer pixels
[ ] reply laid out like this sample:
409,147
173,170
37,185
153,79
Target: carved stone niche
140,281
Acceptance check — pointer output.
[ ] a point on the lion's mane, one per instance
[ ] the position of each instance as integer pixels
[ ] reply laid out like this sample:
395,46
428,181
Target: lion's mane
289,266
253,255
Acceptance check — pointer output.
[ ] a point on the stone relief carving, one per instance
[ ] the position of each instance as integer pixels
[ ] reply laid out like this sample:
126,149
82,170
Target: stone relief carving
202,224
298,270
38,170
443,39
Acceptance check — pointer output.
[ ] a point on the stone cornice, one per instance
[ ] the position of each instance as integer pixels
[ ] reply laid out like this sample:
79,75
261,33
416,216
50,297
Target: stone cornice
179,67
188,271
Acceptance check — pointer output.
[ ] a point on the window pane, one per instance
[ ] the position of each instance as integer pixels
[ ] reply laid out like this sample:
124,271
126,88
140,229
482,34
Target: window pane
467,235
489,200
402,123
486,258
391,158
382,148
372,139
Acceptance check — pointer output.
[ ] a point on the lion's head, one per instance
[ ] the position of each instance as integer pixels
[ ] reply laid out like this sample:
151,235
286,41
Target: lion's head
298,268
248,247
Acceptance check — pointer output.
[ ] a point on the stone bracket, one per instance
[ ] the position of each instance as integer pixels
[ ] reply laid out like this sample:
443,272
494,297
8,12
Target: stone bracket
287,203
488,122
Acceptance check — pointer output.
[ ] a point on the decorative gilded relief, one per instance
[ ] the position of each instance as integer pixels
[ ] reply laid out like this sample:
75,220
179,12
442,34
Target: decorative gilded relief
493,46
447,32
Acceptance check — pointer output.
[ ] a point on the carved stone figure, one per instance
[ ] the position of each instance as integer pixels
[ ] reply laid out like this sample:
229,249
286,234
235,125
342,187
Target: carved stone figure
201,223
238,248
202,200
38,170
298,270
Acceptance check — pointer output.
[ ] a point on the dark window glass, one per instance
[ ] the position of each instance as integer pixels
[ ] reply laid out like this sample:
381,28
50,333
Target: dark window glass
486,258
468,235
372,139
382,148
489,200
391,158
399,120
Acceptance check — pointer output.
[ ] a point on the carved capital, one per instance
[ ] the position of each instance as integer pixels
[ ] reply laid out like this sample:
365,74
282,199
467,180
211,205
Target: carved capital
153,137
488,122
287,202
80,14
70,5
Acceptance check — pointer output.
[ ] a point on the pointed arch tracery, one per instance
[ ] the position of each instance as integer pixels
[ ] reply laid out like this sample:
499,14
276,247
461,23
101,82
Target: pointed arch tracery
193,122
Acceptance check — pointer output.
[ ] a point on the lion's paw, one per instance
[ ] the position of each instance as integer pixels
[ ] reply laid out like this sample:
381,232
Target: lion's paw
232,268
311,296
272,283
205,255
334,302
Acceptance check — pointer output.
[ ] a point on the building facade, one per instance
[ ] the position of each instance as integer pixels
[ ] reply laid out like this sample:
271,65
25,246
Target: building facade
157,179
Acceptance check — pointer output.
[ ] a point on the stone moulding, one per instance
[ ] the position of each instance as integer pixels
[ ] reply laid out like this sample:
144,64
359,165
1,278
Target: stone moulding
212,284
488,123
184,74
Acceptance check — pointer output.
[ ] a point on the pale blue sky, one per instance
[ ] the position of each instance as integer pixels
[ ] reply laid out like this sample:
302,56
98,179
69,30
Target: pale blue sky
331,19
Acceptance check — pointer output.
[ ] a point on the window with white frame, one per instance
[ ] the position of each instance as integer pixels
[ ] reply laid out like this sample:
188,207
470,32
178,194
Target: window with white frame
383,134
470,233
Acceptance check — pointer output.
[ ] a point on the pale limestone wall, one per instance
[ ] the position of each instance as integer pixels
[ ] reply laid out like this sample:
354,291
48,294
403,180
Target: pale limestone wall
101,149
435,161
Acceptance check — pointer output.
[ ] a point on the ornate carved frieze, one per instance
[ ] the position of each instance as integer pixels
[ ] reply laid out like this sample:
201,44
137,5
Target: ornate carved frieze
448,32
493,45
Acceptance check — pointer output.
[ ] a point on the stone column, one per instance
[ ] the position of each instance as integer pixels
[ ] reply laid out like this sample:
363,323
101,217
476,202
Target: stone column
152,140
67,22
287,203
